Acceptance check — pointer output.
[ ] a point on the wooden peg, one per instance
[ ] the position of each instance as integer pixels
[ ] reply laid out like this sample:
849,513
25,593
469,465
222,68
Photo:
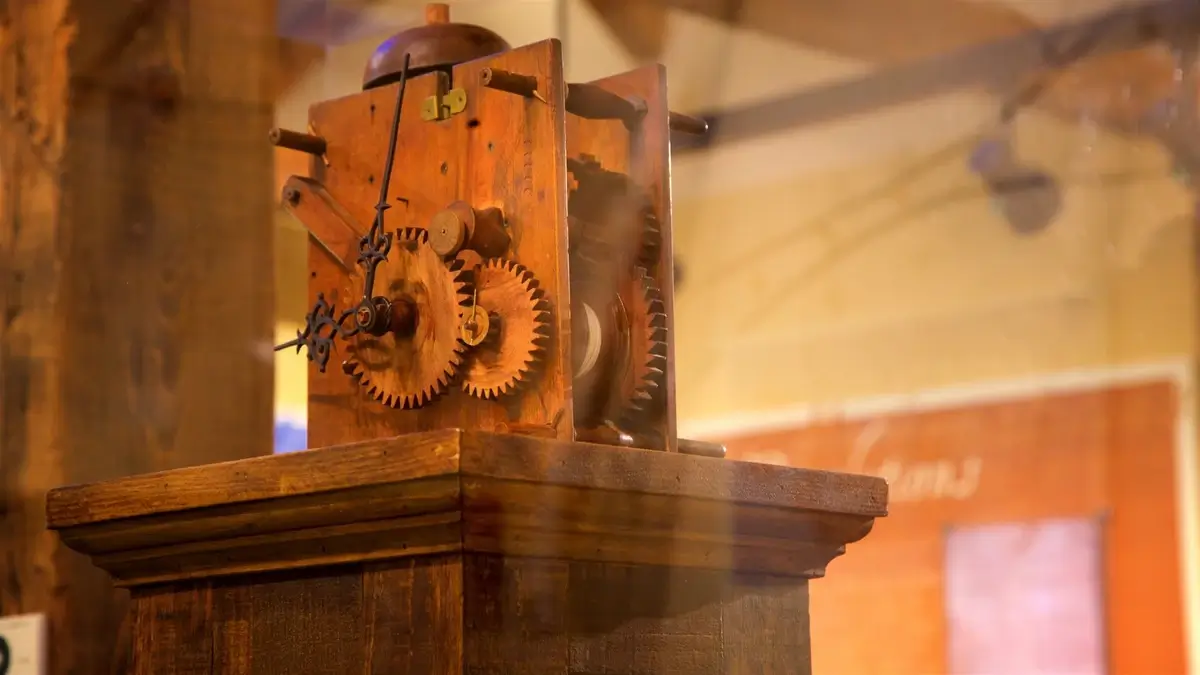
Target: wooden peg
513,83
687,124
459,227
437,12
295,140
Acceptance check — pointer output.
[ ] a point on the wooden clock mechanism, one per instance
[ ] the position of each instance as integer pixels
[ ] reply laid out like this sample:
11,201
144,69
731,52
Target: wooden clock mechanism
491,246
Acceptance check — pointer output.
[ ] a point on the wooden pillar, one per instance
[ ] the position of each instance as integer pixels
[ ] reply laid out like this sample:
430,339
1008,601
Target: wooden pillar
135,271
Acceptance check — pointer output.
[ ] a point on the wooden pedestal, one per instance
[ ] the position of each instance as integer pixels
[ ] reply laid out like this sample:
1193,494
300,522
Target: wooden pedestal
449,552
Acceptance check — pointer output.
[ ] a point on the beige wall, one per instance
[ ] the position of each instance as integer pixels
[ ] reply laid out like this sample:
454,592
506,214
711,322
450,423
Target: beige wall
861,257
895,274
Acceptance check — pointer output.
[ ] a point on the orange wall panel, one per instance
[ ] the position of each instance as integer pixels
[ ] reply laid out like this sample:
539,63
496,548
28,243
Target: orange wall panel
1106,452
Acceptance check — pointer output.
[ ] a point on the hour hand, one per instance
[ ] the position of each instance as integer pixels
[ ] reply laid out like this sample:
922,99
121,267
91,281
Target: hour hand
327,222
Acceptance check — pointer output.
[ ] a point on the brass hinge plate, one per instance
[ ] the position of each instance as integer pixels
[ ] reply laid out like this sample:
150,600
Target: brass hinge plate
441,107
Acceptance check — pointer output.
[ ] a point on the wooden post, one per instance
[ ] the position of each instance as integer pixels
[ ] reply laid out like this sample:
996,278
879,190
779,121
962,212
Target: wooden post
135,271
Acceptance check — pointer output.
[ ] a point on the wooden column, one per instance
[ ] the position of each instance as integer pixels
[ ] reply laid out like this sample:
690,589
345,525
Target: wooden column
135,271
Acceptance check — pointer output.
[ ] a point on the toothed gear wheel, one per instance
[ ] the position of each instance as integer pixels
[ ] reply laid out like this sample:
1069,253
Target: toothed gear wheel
645,349
519,328
410,368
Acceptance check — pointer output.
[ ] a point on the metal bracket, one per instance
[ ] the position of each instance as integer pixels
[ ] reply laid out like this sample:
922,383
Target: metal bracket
443,103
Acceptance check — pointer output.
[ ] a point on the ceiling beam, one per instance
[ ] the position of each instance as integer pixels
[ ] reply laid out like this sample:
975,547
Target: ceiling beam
879,31
293,60
640,25
1004,65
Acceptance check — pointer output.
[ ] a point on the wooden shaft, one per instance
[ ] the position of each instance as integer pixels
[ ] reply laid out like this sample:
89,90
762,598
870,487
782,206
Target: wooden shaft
702,448
295,140
687,124
513,83
592,102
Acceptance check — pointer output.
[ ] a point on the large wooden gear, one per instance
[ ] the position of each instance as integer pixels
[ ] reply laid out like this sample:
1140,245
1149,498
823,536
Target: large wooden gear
412,364
525,290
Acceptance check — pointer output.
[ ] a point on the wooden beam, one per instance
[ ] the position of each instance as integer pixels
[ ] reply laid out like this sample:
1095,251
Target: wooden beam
135,271
641,26
294,60
877,31
1004,66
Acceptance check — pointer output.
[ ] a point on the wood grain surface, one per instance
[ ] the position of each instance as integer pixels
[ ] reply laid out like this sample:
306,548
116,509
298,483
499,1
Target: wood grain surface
502,151
472,613
448,491
136,274
644,154
449,552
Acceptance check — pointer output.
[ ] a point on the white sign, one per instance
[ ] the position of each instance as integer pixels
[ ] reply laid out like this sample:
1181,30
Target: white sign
23,644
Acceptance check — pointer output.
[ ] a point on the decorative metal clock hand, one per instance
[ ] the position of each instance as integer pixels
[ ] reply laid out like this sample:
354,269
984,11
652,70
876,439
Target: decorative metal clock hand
320,328
372,315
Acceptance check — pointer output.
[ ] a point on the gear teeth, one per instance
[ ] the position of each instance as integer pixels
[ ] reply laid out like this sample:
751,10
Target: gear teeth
650,373
651,238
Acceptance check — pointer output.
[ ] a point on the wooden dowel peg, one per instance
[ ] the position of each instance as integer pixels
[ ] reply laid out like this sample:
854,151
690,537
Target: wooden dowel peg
687,124
592,102
437,12
295,140
513,83
701,448
459,227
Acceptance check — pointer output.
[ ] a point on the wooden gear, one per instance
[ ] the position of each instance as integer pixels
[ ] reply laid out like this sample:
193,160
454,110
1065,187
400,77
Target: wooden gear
417,359
506,177
515,328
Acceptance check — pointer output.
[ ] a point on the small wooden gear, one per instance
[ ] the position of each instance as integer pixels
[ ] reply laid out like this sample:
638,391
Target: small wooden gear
518,327
414,362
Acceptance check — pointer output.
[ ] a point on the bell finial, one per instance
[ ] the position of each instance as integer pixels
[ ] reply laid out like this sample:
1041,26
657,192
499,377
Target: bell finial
437,12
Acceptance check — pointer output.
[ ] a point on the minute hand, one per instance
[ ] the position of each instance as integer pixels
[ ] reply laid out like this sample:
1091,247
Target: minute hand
374,247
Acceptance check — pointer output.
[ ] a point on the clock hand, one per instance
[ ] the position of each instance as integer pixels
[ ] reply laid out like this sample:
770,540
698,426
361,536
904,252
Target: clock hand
324,323
374,246
320,328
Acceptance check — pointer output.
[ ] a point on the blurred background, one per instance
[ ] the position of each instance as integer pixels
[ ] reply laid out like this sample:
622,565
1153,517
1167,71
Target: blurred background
947,242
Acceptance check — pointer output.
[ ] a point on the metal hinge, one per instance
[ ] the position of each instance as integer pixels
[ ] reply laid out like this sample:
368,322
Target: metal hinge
443,104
